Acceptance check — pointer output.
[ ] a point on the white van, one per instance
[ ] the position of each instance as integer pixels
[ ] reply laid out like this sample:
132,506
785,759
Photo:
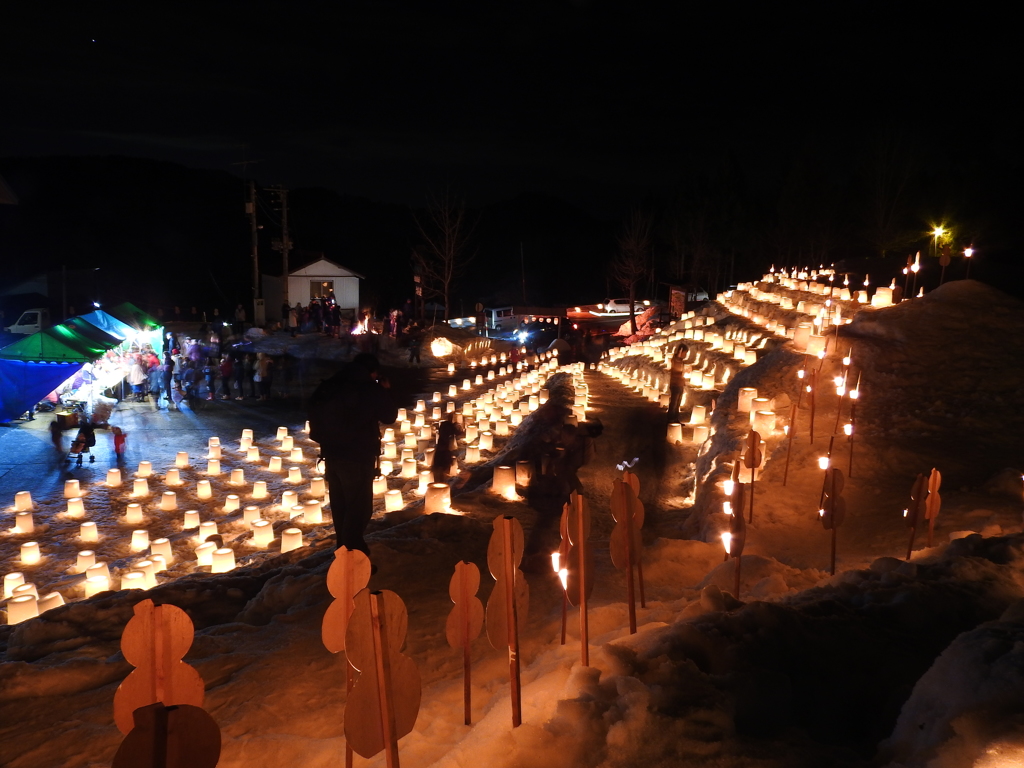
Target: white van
31,321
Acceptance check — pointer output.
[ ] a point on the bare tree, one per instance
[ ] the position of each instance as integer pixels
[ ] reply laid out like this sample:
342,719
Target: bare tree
633,261
443,258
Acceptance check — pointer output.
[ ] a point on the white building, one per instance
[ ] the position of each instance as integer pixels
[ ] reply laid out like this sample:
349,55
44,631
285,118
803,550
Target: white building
318,280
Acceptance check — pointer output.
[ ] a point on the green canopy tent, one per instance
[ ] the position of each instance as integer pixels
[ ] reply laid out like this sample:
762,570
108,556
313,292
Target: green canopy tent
59,344
150,330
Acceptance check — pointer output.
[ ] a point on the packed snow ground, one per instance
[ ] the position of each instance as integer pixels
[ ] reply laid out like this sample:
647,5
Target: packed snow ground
921,658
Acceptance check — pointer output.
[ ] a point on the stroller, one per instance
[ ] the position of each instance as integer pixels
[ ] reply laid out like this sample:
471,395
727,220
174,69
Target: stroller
84,440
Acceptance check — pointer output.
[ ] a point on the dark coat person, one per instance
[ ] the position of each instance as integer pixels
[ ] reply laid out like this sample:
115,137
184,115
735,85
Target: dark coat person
345,414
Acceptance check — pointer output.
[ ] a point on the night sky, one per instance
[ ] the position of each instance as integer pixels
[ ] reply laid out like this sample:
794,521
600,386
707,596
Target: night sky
605,106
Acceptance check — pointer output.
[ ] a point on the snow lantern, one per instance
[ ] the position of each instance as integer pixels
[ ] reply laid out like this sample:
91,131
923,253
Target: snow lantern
763,422
295,510
393,500
288,443
71,489
421,406
408,468
76,507
190,520
11,581
420,420
148,570
133,580
214,452
113,478
140,487
534,402
26,589
161,548
675,432
23,522
247,434
252,454
181,460
213,467
465,384
23,500
145,469
95,584
296,456
204,490
282,433
515,418
250,515
313,513
698,414
30,553
451,367
294,475
223,560
204,553
140,540
289,499
49,601
472,432
449,407
168,501
259,489
159,562
133,514
759,404
426,477
21,609
815,344
173,477
504,482
88,532
86,559
275,464
745,399
245,444
380,485
472,454
438,498
486,441
231,502
317,487
386,467
453,391
700,433
237,477
291,538
213,442
206,530
262,533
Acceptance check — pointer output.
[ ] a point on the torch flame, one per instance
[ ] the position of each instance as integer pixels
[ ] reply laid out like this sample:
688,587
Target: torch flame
727,541
563,576
555,559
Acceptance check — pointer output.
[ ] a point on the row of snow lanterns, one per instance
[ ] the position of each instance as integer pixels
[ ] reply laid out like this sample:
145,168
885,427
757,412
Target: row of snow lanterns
23,599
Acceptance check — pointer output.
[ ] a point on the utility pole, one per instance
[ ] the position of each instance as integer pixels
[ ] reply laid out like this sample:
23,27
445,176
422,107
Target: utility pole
259,315
286,243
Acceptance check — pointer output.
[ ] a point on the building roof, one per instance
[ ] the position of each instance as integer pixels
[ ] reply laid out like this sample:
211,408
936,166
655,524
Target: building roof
324,268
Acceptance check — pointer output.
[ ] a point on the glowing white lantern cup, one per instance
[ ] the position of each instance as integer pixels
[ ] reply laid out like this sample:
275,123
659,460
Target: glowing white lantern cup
30,554
282,433
223,560
426,477
380,485
262,533
675,433
259,489
291,538
50,601
763,422
296,456
204,553
312,512
252,453
206,530
86,560
245,444
472,454
295,511
214,452
815,344
274,465
95,584
408,468
140,487
169,501
759,404
173,477
148,569
133,514
204,490
76,507
250,515
140,540
438,498
133,580
247,434
745,399
393,501
317,487
23,522
386,467
161,548
213,467
71,489
231,502
26,589
190,520
22,608
294,475
145,469
88,532
213,442
698,415
181,460
237,477
486,441
288,443
114,478
700,433
504,483
23,500
289,499
11,582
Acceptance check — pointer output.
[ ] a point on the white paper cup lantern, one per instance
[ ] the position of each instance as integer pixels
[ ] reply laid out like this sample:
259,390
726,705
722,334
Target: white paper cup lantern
313,512
23,500
23,522
148,569
76,507
159,562
250,515
231,502
22,608
472,454
100,569
181,460
140,487
438,498
274,465
291,538
204,553
190,520
11,582
133,580
515,419
173,477
380,485
289,499
296,456
317,487
71,489
50,601
282,433
698,414
408,468
486,441
95,584
223,560
393,501
501,428
86,559
133,514
247,434
169,501
204,490
764,422
145,469
759,404
390,450
426,477
213,467
262,533
259,489
245,444
214,452
386,467
140,540
88,532
114,478
675,433
409,440
161,548
294,475
206,530
252,453
26,589
295,511
472,433
504,483
700,433
288,443
237,477
815,344
213,442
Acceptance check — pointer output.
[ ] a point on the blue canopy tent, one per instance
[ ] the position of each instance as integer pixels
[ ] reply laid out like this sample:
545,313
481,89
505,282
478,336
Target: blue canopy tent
23,383
107,322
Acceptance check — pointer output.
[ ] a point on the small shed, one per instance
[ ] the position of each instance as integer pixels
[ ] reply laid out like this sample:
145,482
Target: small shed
321,279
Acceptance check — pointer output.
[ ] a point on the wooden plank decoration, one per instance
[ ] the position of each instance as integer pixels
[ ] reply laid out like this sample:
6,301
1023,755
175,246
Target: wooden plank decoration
348,574
385,699
560,559
752,460
625,544
833,506
791,433
509,601
934,501
916,508
812,391
634,483
465,622
579,566
181,736
154,641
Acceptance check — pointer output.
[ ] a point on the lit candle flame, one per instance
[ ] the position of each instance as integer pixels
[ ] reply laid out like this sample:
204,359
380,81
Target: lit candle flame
823,462
726,541
821,513
728,486
555,560
563,576
848,428
727,507
905,512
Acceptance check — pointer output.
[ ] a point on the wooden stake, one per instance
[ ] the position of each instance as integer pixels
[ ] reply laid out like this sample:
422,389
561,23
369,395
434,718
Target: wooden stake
581,544
512,623
853,430
565,613
790,436
814,388
508,601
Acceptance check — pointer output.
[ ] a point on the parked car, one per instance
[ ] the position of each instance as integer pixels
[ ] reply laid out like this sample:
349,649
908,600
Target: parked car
31,321
622,305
